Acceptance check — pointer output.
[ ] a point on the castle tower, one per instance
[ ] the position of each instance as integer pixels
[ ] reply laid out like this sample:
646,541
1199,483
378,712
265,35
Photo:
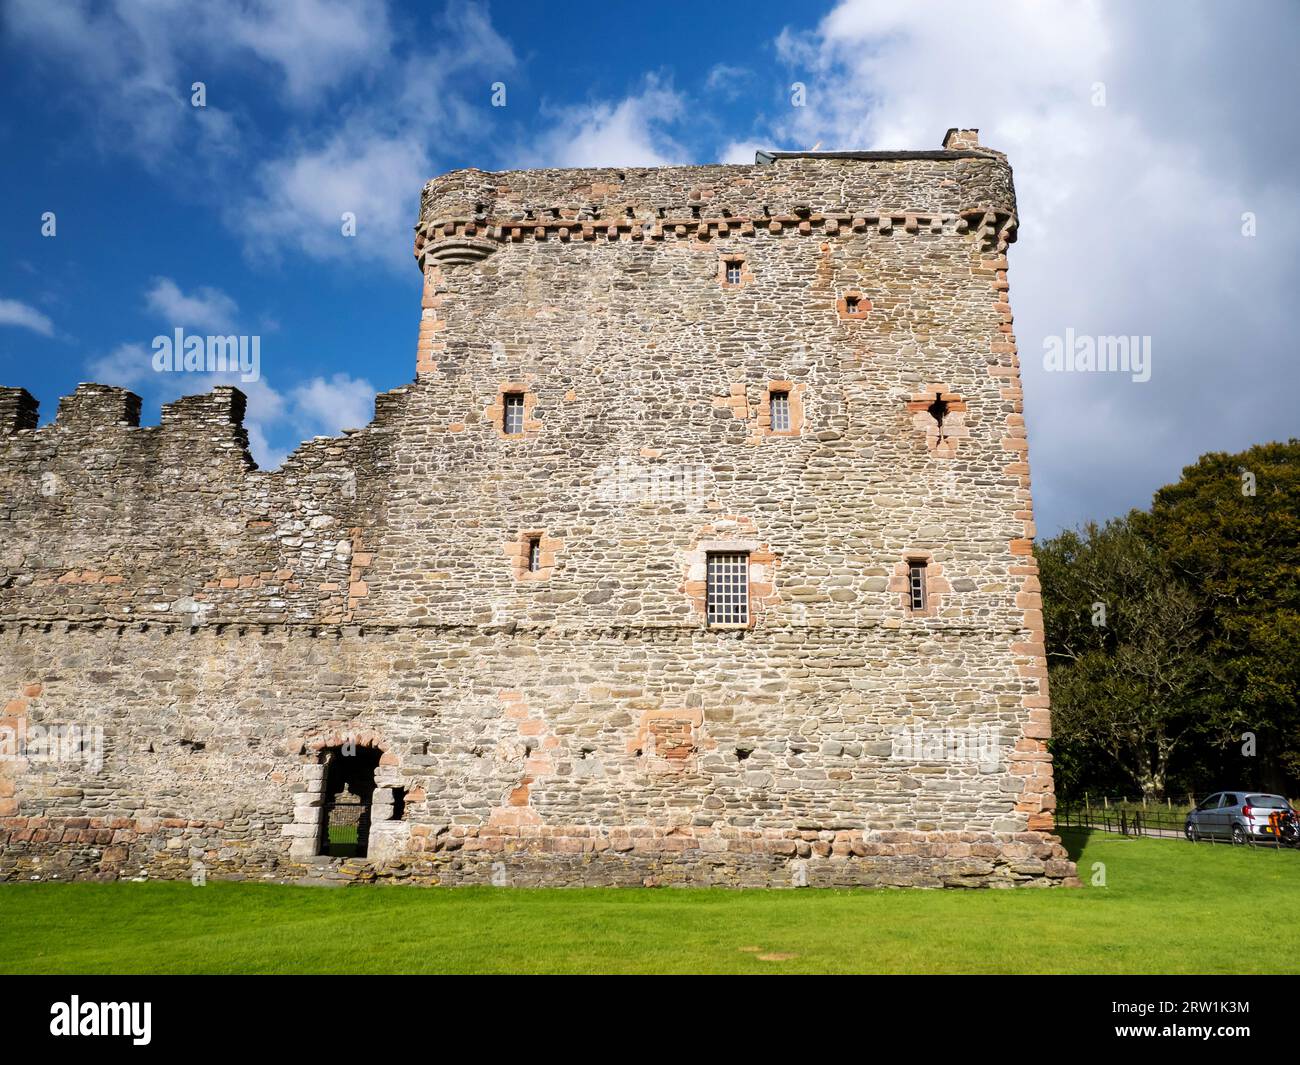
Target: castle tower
698,551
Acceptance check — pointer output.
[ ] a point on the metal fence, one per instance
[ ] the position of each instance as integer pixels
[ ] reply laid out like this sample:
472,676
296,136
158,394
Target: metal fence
1135,819
1128,821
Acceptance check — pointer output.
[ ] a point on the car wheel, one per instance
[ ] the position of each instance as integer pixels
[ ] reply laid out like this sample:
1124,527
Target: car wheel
1189,830
1238,834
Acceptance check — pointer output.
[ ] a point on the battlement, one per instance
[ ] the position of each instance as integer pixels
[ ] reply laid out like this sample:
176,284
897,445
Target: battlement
463,214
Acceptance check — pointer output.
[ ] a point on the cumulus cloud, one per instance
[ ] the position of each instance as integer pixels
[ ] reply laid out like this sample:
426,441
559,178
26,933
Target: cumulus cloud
1134,166
629,132
16,313
351,189
355,192
203,309
341,402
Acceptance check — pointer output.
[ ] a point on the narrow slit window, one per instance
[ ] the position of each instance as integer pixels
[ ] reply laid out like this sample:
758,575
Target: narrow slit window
728,588
534,554
916,584
512,417
779,403
733,271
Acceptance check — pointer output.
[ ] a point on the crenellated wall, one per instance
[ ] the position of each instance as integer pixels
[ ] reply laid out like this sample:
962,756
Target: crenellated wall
226,628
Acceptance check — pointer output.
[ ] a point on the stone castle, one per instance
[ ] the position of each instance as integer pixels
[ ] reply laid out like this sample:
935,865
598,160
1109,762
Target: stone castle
697,552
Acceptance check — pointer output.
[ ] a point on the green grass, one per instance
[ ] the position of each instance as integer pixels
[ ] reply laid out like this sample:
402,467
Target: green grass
1169,907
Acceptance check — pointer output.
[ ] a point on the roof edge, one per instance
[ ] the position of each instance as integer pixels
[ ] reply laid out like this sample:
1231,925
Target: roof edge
766,158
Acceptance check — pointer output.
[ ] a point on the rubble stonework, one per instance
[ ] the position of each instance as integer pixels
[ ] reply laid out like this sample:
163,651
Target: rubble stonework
233,630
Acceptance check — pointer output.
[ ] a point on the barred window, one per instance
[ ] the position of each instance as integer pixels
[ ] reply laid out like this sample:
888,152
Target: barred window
916,584
727,590
780,411
534,554
733,271
513,413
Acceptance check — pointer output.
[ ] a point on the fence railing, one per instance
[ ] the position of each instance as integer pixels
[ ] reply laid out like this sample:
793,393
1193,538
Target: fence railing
1127,820
1130,819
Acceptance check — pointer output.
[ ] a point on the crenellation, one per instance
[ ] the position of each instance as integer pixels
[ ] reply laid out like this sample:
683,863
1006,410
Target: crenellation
92,406
19,411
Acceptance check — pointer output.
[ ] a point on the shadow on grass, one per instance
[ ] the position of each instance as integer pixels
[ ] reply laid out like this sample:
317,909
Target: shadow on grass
1074,840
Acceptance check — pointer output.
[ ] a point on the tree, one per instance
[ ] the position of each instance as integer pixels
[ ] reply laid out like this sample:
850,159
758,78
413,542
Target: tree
1130,684
1174,635
1230,530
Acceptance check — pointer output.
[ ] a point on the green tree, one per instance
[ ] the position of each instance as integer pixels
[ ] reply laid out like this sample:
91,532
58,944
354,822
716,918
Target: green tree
1130,685
1230,530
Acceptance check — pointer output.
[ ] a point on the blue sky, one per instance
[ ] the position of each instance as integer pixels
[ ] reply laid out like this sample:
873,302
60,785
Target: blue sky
1135,165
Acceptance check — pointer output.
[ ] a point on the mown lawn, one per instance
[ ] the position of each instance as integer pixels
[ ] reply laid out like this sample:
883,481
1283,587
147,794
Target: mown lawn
1168,907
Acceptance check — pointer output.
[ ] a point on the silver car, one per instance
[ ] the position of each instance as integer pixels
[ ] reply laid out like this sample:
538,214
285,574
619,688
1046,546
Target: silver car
1241,816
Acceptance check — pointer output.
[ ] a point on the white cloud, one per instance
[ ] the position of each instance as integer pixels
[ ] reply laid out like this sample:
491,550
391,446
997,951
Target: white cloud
327,406
12,312
372,164
631,132
302,197
313,44
126,366
741,151
727,81
203,309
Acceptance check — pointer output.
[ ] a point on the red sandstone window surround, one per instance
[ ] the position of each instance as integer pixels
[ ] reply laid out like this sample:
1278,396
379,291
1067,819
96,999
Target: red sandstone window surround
733,270
853,305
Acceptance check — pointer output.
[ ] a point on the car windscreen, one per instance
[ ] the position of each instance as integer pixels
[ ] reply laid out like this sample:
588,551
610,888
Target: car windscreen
1267,802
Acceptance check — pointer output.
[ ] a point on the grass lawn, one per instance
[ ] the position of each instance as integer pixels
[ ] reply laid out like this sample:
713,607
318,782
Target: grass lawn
1169,907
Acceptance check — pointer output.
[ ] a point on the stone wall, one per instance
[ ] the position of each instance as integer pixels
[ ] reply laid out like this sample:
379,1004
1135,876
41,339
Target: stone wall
224,627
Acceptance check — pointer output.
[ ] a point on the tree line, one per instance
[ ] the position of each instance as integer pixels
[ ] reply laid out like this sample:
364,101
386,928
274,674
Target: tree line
1173,636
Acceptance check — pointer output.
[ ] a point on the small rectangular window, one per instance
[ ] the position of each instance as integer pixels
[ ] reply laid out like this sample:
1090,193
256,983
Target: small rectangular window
779,405
727,588
512,418
534,554
733,271
916,584
851,304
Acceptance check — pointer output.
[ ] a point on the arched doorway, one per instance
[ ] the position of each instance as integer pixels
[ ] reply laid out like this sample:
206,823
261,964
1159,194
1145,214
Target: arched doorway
346,800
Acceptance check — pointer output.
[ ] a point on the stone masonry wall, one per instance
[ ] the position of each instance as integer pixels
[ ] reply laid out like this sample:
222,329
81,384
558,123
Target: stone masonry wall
227,627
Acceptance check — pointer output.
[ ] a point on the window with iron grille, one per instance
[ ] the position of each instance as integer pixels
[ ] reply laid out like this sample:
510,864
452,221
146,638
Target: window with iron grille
733,271
513,413
534,554
916,584
727,590
779,405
